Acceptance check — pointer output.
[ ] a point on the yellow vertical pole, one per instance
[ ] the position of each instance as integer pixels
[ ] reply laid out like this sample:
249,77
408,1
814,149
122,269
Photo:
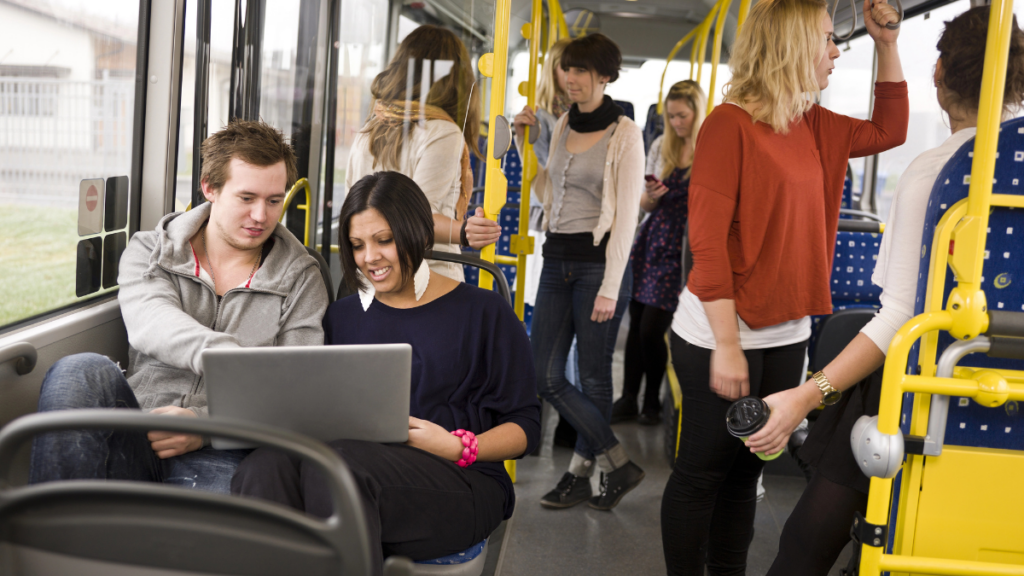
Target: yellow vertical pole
967,301
495,67
522,243
693,55
559,18
716,51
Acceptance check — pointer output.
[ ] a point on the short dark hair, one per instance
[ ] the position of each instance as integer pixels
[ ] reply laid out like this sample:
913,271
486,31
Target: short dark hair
253,142
596,53
401,202
962,49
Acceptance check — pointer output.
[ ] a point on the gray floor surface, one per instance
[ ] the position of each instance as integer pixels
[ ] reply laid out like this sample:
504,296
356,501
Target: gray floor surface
538,541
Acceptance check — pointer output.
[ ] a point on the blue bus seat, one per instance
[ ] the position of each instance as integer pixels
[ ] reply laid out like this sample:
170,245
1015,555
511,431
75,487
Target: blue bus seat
852,293
970,424
627,107
654,127
850,200
513,168
467,563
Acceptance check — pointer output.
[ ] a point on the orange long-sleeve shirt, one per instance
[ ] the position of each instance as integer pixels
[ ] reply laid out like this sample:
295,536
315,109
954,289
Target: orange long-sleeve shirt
764,207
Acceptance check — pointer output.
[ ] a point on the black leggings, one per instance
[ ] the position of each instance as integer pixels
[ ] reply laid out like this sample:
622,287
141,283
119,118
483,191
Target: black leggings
416,504
818,529
646,352
707,512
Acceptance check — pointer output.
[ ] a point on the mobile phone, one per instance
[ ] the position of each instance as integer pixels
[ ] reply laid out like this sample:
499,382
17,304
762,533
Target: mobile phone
652,178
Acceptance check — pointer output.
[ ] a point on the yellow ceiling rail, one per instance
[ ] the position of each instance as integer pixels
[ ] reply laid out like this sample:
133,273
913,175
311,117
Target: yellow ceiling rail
716,52
558,28
742,16
691,35
703,39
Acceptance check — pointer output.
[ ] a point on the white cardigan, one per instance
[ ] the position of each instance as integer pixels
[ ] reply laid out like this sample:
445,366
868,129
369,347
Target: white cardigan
620,203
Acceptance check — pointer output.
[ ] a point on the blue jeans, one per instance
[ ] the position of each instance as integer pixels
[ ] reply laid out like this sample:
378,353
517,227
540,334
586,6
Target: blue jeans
565,301
93,381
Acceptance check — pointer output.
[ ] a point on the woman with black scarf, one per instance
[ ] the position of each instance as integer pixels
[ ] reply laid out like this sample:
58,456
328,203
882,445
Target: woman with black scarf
591,194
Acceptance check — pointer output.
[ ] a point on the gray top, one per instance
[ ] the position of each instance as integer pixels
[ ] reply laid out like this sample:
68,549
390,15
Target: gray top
577,186
172,313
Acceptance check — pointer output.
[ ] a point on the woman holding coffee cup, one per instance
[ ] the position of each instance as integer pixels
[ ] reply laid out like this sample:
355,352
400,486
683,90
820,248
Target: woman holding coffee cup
765,191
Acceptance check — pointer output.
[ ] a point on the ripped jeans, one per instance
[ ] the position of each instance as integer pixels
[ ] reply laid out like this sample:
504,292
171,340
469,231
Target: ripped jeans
93,381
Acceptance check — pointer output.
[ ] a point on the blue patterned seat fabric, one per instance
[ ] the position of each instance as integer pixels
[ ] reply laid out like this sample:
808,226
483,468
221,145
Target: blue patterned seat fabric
850,200
970,424
653,128
627,107
458,558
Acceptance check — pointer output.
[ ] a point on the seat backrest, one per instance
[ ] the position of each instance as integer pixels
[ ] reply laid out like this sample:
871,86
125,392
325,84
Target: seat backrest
513,168
654,127
627,107
970,424
325,272
117,527
850,201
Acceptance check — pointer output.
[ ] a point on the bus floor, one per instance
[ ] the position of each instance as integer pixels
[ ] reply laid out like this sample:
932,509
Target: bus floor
538,541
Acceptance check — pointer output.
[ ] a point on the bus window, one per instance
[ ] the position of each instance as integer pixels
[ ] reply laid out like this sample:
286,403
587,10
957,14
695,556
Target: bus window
929,126
67,99
219,80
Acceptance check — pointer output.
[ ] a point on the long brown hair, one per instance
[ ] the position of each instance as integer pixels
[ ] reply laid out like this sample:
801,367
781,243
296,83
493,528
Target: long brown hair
691,94
455,93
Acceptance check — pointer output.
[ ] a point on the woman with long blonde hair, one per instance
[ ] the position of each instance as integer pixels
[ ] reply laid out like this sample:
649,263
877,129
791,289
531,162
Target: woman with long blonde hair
765,191
552,100
425,123
656,258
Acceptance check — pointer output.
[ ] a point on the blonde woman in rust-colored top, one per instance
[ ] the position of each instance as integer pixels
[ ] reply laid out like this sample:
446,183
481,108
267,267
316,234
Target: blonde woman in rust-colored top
765,192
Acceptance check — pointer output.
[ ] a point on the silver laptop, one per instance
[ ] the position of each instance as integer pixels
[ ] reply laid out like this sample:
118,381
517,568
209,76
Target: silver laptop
358,392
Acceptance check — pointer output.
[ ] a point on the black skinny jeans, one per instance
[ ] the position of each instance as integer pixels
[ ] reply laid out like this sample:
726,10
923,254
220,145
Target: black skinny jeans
417,505
646,352
707,512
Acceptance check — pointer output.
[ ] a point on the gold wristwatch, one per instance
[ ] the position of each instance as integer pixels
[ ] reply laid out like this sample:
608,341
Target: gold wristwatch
829,395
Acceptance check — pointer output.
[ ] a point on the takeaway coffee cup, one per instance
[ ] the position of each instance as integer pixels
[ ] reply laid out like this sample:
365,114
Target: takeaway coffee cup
745,417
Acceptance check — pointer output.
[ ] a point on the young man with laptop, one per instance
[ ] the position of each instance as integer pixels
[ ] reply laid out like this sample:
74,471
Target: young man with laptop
222,275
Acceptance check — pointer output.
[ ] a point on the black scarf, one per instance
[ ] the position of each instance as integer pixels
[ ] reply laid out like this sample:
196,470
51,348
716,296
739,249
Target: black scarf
599,119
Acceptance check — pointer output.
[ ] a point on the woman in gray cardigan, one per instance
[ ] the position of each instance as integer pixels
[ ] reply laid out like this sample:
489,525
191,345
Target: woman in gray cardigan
591,194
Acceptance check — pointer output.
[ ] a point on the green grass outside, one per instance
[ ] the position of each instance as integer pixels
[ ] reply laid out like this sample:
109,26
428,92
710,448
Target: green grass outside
37,260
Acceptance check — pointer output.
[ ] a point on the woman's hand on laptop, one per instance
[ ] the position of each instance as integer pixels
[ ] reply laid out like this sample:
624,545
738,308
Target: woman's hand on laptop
171,444
430,437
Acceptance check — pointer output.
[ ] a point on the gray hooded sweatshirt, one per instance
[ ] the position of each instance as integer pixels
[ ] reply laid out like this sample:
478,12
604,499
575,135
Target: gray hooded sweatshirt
172,315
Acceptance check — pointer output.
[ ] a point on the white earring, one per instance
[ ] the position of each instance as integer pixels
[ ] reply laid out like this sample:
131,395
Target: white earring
421,279
367,292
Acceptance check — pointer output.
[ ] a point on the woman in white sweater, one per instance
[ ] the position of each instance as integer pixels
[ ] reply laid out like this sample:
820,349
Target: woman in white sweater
425,124
819,526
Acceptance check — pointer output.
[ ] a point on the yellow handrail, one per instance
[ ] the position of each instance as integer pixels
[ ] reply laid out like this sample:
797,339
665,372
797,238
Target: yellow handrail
693,53
716,52
704,33
965,315
558,28
300,183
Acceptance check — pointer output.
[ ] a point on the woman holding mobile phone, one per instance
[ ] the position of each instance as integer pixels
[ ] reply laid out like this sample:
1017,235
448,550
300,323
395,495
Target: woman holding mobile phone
656,257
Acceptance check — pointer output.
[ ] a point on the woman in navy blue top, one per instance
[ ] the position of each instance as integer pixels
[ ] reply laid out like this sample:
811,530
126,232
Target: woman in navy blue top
472,370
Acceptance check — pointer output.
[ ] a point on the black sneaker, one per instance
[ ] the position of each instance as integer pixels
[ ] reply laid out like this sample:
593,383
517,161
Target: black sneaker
615,485
624,409
571,490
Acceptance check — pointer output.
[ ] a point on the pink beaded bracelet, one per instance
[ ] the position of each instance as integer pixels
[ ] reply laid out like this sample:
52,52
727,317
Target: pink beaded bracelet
469,447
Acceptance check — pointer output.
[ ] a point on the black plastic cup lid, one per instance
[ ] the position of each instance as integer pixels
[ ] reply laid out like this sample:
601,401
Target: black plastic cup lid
746,416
